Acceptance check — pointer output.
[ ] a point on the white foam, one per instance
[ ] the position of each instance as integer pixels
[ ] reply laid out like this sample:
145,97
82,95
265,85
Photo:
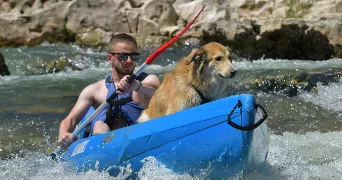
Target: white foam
159,69
152,169
312,155
93,71
328,97
309,156
287,64
41,167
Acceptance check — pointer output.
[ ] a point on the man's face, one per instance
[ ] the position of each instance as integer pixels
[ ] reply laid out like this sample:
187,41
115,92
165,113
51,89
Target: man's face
120,56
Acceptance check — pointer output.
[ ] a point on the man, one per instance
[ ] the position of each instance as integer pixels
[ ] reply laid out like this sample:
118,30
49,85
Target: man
133,97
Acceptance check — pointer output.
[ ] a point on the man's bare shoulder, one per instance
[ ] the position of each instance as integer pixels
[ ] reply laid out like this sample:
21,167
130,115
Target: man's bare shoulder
98,84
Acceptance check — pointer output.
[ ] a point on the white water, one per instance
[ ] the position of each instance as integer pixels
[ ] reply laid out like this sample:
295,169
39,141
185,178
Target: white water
309,156
291,156
312,155
287,64
103,68
329,97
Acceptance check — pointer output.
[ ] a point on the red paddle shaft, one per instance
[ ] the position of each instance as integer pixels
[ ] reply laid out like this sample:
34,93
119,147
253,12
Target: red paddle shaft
162,48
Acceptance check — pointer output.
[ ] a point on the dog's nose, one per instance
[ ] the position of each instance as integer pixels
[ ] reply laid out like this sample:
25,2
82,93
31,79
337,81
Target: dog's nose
232,73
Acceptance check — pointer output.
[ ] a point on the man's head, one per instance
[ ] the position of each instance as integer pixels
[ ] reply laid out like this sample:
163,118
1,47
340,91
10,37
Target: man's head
122,53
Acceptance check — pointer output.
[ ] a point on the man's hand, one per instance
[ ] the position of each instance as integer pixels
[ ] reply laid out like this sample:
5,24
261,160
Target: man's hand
65,140
126,87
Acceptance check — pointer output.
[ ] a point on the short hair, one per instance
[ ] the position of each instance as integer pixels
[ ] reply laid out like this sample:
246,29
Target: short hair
122,38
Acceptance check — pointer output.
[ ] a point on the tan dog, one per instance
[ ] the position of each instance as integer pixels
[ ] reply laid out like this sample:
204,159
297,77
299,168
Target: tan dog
199,78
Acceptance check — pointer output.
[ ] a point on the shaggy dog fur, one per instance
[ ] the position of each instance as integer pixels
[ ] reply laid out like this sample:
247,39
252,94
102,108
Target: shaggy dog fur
199,78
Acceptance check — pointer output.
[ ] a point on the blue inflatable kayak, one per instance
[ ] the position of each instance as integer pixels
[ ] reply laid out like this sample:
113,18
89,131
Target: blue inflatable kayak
218,135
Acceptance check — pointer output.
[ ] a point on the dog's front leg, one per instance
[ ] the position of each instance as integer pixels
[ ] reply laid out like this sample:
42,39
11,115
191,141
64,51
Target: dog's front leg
143,118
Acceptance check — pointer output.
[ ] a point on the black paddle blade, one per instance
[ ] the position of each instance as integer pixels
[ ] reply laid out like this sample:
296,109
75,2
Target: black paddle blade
54,156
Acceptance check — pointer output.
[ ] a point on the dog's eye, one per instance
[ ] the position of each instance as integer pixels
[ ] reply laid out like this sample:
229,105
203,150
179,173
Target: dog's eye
218,58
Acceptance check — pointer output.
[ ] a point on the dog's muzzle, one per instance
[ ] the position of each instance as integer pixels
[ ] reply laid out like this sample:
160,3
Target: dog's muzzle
232,74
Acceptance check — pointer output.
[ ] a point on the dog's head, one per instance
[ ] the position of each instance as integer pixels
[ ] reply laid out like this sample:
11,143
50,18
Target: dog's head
213,60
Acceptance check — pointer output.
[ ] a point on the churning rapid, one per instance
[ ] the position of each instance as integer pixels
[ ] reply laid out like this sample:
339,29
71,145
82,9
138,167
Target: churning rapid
305,127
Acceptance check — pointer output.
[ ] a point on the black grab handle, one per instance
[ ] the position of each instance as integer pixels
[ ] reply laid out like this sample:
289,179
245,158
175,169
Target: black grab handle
249,127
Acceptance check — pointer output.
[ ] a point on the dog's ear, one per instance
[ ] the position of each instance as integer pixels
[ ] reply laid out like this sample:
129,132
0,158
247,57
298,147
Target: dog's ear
196,54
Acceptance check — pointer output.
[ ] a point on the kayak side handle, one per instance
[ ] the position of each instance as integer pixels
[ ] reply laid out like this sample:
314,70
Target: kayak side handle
249,127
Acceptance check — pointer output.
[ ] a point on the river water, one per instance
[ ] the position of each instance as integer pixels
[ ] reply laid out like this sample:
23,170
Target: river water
305,130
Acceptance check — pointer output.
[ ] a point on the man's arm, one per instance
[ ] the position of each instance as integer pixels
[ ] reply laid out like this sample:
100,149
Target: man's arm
81,107
147,89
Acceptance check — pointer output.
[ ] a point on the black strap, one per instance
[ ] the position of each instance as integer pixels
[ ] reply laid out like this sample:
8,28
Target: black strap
117,103
248,127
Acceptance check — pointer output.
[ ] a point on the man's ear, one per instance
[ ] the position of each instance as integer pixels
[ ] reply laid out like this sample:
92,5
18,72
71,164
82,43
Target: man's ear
109,58
196,54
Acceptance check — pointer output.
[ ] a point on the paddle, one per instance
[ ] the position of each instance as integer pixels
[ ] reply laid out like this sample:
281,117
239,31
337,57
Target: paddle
147,62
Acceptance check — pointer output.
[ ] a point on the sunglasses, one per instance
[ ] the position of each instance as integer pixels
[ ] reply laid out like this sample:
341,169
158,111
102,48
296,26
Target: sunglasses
124,56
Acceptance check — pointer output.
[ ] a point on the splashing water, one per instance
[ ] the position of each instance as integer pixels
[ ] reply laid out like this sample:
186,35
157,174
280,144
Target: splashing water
328,97
307,153
310,156
41,167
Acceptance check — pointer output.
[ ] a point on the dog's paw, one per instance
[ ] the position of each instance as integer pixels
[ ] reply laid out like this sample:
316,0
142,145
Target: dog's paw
143,118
